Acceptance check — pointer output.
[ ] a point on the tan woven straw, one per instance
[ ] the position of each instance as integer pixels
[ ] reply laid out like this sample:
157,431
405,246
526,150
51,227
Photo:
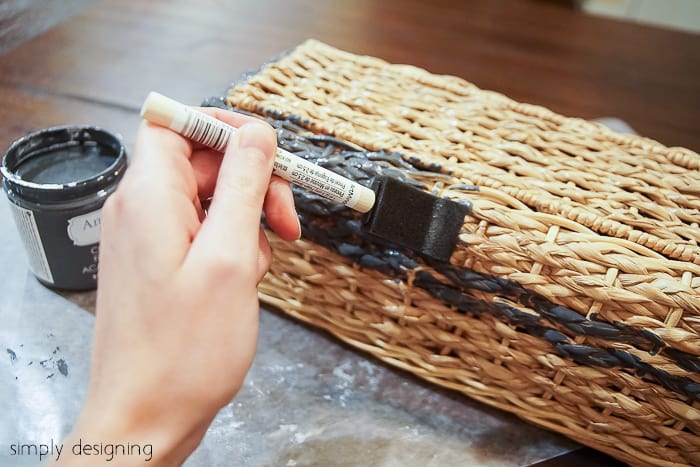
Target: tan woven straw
573,296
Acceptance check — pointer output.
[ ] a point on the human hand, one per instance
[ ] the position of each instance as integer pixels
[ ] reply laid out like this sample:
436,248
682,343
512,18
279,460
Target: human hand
177,305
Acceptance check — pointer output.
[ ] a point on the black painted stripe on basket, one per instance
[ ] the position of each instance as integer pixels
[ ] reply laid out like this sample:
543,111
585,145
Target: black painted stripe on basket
579,353
339,229
396,264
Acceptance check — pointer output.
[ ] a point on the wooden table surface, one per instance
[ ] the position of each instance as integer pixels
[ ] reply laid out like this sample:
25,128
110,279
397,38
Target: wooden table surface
98,66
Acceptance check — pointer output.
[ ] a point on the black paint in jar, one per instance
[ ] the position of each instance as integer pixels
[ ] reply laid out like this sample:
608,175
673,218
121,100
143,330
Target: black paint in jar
57,180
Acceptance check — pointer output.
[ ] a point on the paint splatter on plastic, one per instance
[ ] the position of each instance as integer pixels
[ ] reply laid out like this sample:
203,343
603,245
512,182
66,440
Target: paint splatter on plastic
62,367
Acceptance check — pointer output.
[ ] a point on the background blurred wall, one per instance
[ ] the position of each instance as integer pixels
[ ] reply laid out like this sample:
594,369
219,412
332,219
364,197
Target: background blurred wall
677,14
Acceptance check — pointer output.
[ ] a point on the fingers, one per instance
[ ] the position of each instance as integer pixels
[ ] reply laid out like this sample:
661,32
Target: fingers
279,207
205,163
279,203
280,212
264,255
163,156
154,201
233,219
239,180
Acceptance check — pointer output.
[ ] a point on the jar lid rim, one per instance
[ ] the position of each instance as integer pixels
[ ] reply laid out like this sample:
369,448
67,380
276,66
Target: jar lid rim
62,136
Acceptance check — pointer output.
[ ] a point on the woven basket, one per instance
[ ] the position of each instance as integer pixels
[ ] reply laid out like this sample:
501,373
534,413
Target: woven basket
573,296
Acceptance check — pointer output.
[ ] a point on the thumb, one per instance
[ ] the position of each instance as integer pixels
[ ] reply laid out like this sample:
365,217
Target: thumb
233,219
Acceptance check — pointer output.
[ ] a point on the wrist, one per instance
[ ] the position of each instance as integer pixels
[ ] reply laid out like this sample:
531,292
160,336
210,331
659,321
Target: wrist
104,437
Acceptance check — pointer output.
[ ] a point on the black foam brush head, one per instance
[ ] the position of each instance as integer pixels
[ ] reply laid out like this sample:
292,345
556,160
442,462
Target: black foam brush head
414,219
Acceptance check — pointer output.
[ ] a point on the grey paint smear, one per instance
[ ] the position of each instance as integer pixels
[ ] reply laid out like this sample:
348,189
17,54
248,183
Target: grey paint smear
62,367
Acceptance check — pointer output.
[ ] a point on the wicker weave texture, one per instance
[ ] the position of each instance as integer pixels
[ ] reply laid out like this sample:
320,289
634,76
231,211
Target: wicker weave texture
588,221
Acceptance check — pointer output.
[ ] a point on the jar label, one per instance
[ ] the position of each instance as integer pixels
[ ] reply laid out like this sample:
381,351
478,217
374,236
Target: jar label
85,229
29,232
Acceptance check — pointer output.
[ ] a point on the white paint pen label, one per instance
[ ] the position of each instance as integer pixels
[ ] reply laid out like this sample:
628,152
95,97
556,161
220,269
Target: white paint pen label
202,128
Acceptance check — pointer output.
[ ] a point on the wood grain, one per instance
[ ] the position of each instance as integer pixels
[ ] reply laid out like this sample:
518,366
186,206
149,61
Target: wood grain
41,110
536,52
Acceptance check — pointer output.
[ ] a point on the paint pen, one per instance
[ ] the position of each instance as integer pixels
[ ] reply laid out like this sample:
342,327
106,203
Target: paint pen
207,130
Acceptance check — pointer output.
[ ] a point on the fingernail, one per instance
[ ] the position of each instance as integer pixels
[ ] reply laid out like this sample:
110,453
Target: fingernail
296,215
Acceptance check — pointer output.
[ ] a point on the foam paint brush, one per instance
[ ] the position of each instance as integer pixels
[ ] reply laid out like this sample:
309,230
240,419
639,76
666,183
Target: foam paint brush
394,211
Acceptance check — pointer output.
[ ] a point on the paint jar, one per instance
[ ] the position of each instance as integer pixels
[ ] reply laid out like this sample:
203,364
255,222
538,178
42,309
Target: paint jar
57,180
